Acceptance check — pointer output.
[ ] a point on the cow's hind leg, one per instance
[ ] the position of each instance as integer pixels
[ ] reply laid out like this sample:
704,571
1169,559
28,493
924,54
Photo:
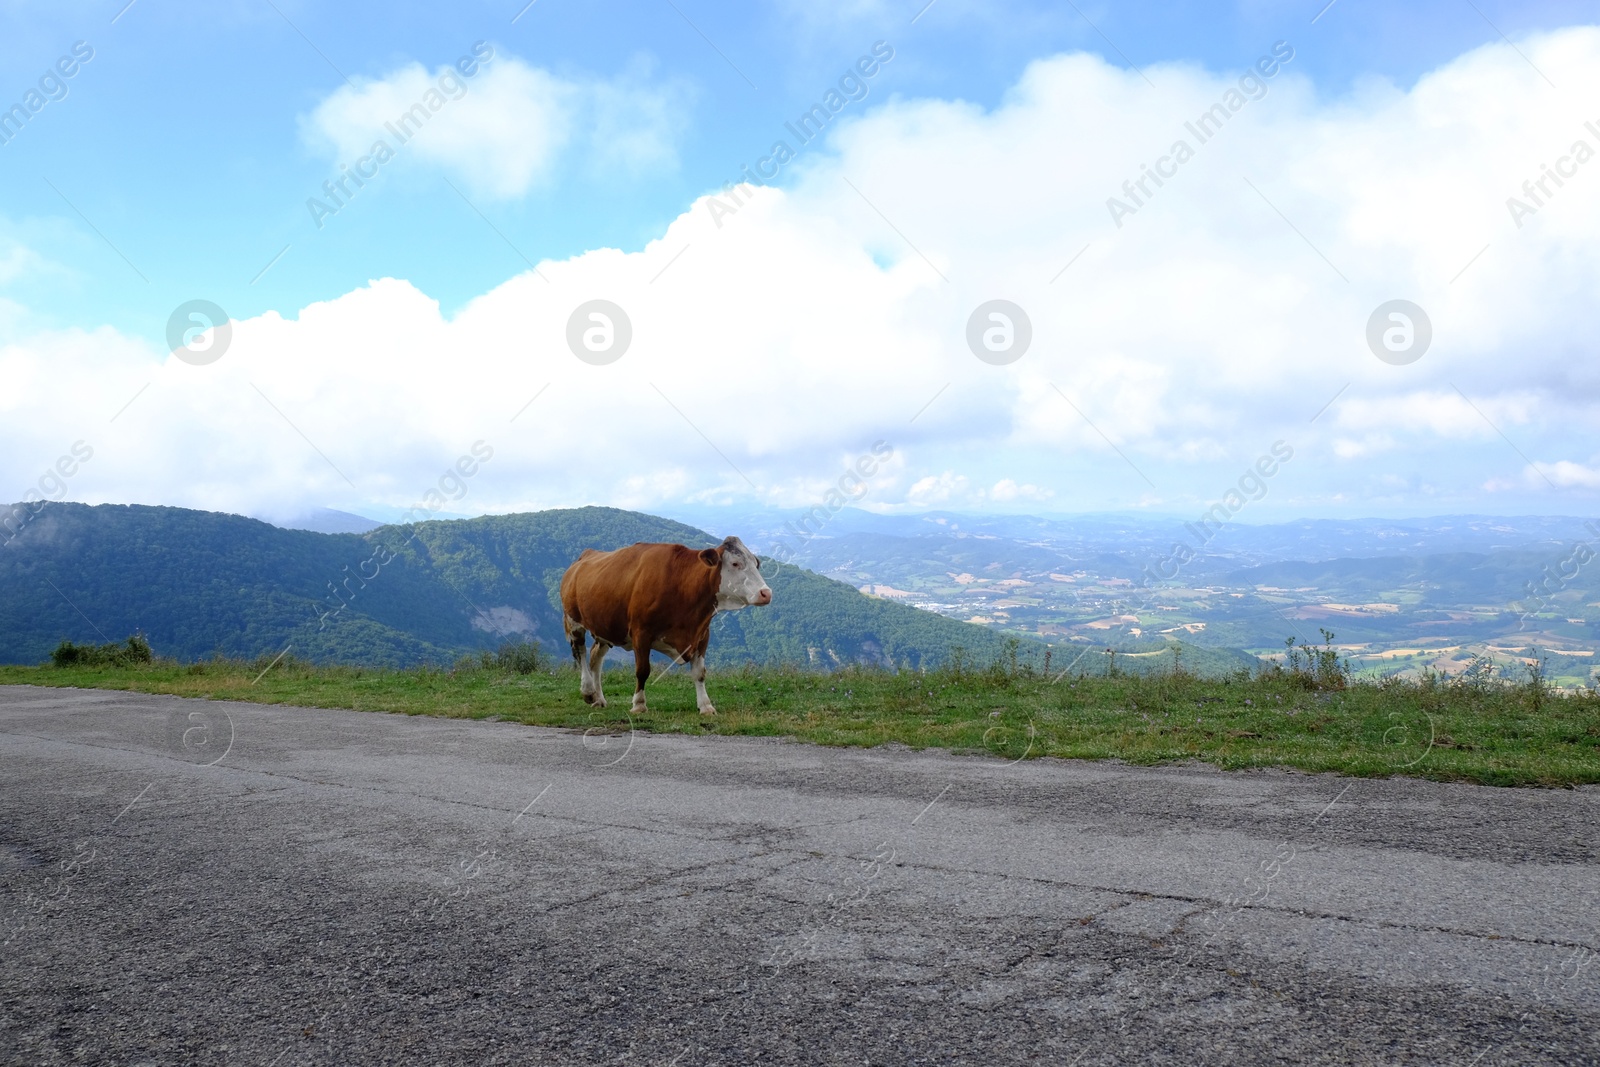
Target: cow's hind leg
596,678
641,670
697,670
575,637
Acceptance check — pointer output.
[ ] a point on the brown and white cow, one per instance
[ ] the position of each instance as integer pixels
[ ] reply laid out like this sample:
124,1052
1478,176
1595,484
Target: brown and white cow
655,596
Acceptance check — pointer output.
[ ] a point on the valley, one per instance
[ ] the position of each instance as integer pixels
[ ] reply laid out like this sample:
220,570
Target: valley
1401,597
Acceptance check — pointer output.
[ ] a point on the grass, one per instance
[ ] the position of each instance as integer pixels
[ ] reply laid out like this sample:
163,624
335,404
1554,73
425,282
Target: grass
1309,714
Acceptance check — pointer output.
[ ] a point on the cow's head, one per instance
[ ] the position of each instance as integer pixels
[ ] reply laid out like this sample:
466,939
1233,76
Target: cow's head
742,584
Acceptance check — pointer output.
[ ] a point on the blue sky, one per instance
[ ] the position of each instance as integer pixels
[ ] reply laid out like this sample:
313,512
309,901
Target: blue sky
179,163
180,140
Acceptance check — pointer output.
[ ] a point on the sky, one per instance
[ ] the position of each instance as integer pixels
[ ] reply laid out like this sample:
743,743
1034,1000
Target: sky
1051,258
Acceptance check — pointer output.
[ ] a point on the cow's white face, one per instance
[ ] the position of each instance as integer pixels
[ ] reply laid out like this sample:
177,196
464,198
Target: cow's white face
742,584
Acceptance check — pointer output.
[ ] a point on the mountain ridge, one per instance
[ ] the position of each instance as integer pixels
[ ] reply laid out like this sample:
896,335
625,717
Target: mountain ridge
204,583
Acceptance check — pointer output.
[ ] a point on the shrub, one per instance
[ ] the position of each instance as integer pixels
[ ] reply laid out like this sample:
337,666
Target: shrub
1005,669
1536,686
1478,675
1311,667
520,658
134,651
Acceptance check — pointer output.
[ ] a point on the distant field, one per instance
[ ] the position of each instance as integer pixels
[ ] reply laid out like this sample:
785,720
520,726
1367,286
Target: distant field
1497,732
1445,588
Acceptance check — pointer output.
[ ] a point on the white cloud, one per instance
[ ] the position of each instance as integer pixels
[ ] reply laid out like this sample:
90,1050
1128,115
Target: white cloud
1377,424
505,129
1006,491
805,326
633,124
18,260
1567,473
938,490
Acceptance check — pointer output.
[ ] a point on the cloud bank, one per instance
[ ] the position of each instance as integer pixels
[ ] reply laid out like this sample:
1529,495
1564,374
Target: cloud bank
774,342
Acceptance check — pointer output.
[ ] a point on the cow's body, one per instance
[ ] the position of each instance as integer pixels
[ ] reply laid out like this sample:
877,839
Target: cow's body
657,597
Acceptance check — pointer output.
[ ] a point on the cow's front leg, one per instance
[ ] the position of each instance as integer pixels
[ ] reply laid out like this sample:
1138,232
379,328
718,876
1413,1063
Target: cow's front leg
641,670
697,670
591,687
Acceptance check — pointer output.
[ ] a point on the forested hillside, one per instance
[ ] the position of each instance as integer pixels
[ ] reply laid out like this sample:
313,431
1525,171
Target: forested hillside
199,583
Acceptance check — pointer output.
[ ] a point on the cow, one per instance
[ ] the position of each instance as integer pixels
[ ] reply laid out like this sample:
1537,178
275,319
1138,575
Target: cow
655,596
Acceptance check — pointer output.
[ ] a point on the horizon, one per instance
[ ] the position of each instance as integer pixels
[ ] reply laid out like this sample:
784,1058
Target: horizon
687,515
1444,594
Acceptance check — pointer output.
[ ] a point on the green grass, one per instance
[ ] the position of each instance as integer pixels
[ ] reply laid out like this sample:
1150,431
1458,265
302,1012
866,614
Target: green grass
1492,730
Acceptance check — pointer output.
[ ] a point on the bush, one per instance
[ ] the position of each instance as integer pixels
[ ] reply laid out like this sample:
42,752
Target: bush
521,658
134,651
1315,668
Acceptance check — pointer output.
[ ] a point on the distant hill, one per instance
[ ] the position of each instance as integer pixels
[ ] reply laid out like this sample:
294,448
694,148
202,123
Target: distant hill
325,520
199,583
1443,578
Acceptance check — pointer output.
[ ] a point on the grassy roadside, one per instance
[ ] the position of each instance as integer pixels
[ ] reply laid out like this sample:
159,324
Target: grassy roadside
1487,730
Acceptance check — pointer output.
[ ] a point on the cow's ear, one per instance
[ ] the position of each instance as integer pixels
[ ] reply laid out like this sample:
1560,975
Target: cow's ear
710,557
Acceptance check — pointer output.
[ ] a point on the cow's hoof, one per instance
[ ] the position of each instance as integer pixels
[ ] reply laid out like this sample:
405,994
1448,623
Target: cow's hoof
708,710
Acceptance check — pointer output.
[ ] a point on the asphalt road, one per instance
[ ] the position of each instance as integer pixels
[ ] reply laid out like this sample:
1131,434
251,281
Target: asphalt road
196,882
